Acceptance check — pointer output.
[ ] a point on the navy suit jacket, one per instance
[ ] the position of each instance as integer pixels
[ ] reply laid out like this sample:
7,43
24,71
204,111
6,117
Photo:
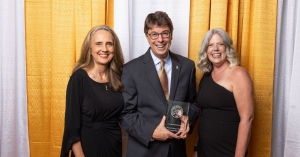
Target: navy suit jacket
145,103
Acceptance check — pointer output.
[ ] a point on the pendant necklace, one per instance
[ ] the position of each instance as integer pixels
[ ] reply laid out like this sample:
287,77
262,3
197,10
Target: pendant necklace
104,83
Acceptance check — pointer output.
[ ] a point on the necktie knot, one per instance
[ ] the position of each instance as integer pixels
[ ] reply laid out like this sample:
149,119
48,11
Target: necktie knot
162,63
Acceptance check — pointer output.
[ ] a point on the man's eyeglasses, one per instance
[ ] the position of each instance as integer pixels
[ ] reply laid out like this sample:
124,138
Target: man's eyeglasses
164,34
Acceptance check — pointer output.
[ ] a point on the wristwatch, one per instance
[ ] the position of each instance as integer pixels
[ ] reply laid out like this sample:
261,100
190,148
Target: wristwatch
195,148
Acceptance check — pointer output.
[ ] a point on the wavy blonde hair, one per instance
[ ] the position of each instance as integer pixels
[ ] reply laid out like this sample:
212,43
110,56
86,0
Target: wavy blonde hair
204,64
115,65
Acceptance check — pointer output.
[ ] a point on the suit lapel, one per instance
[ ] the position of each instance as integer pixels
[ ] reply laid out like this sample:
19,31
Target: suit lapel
176,67
152,75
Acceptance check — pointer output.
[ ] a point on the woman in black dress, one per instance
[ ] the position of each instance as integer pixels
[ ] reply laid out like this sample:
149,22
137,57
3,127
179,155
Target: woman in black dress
225,95
94,99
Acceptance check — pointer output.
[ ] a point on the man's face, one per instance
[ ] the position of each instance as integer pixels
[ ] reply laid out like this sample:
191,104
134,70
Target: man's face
159,39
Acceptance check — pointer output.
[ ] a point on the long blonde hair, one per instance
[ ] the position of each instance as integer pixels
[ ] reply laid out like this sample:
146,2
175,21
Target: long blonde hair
115,65
204,64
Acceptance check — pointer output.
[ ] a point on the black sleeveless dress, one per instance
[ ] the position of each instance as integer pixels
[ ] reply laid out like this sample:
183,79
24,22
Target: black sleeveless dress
219,120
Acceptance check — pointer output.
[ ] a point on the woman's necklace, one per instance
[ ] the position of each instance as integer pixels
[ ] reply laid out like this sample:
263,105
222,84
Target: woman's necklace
104,79
100,77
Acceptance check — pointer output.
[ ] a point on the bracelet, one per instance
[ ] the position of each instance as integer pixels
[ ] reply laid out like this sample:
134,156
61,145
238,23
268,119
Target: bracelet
195,148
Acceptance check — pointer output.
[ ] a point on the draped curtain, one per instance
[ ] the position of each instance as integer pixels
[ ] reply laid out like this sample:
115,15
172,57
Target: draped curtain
129,24
286,126
55,30
13,102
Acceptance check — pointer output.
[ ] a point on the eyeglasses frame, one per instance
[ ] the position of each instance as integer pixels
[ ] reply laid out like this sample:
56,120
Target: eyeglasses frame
161,34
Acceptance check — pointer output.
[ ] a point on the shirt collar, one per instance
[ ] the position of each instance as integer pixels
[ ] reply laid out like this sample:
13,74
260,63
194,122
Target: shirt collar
157,60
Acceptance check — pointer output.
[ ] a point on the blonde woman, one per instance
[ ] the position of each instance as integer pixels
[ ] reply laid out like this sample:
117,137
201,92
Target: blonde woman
94,100
226,99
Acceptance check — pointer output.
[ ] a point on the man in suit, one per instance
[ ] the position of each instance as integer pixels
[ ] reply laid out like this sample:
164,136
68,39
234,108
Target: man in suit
145,97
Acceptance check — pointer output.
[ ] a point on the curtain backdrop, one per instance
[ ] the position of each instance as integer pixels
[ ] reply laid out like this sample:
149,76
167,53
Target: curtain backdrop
55,30
13,103
129,18
286,126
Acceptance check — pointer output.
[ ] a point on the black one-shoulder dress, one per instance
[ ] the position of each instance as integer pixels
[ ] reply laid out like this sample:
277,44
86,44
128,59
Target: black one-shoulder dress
219,120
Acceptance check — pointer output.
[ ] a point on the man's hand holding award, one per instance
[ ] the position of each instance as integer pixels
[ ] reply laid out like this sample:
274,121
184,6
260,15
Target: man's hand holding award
177,118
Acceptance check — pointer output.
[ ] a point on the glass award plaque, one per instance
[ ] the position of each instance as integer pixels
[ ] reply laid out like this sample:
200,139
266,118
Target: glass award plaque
175,109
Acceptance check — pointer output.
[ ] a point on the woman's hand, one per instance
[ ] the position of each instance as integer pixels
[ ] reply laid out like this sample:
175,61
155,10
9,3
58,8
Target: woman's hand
77,149
195,154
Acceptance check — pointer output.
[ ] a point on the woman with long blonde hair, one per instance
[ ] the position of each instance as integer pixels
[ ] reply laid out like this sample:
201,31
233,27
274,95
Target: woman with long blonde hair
94,99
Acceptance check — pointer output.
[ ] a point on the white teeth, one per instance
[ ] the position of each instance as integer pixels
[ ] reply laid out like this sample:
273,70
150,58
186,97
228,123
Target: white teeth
216,55
160,46
103,54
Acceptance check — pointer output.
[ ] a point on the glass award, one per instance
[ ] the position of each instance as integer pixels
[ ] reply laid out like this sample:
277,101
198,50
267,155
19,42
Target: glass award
175,110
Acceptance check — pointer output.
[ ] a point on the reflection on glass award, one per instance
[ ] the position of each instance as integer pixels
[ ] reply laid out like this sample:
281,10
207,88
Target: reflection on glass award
175,110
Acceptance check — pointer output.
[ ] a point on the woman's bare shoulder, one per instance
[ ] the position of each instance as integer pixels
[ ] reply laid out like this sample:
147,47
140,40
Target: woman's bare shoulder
239,72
